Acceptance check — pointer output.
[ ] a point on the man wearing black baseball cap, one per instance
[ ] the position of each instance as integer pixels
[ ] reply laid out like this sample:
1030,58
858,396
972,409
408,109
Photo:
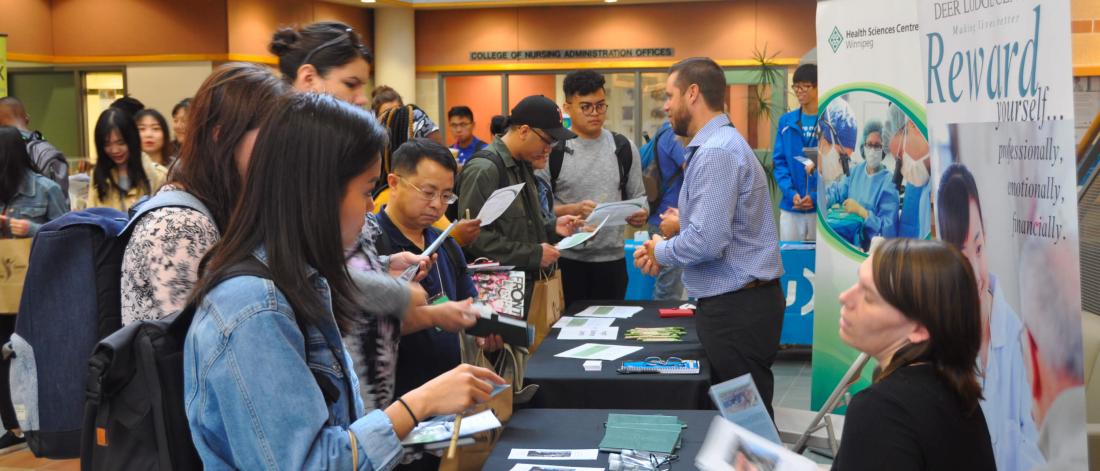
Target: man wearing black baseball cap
522,236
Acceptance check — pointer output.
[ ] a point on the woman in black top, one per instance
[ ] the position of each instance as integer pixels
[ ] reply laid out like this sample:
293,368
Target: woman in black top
915,310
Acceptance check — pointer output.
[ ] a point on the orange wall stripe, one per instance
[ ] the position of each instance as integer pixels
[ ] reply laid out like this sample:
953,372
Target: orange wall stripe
626,64
50,59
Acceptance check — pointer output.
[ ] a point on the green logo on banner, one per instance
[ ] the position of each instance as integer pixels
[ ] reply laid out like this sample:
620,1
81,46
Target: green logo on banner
836,39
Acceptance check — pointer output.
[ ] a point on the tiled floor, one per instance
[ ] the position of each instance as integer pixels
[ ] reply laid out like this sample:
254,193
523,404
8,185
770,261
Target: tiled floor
792,382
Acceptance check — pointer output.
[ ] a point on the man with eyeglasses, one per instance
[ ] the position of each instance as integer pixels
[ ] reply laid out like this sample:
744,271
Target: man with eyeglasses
522,236
797,132
422,185
460,119
597,167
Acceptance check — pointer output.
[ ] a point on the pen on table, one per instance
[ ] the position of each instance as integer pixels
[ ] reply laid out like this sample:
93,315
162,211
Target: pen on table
454,436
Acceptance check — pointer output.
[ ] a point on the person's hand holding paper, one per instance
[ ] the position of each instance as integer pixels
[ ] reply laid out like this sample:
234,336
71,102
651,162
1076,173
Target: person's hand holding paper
568,225
620,212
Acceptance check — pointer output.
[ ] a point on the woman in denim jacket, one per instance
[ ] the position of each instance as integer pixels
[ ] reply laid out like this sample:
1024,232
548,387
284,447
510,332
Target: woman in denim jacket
27,199
268,381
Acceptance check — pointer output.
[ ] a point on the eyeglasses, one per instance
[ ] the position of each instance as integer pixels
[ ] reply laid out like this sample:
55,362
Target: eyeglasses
589,108
801,87
446,197
548,141
461,125
659,361
872,146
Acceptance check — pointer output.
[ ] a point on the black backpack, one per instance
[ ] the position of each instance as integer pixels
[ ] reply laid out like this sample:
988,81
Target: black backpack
623,153
134,417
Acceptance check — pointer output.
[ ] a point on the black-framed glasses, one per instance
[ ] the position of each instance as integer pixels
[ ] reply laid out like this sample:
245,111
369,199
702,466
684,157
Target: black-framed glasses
550,142
446,196
801,87
661,462
597,109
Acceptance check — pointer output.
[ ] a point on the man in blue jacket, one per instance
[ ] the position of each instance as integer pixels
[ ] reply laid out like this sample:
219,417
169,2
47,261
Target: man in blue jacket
797,180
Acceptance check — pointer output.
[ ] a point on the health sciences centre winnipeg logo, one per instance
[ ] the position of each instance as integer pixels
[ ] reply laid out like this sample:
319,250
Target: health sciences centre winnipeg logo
836,39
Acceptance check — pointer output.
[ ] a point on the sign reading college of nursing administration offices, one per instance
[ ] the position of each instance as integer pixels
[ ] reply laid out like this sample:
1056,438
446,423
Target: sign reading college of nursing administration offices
572,54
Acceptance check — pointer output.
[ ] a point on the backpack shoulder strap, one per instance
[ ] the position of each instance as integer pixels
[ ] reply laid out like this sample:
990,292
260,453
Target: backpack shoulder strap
557,157
167,199
625,155
491,156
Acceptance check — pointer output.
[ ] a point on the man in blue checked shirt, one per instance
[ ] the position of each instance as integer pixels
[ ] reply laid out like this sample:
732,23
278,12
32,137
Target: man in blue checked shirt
728,243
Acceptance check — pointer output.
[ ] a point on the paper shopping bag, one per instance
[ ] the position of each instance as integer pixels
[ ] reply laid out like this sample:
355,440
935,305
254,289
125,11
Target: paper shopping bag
547,305
14,257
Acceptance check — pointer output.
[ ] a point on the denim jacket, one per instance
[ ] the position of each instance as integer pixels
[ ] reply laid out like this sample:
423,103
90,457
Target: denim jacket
251,399
39,200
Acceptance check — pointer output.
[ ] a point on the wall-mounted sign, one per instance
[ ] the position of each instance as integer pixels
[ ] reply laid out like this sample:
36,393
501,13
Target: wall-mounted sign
572,54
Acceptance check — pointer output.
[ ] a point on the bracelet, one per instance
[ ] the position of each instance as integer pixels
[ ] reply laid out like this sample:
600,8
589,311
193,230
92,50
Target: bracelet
416,421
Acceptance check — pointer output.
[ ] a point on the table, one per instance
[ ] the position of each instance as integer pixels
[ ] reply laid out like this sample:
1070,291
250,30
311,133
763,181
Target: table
583,429
563,383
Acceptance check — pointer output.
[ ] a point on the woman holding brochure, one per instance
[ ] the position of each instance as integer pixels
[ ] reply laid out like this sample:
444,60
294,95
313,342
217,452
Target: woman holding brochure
915,309
308,185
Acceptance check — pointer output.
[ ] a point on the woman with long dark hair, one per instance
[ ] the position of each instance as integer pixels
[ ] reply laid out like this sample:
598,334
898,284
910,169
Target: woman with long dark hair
27,200
161,262
122,175
256,347
915,310
153,131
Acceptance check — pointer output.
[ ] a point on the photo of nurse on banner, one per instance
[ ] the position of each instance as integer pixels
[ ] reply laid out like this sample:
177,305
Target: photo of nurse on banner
1030,363
874,166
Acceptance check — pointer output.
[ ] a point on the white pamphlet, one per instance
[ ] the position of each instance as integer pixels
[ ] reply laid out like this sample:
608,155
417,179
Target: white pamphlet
619,312
598,351
729,446
579,238
590,322
739,401
543,467
540,454
588,333
617,212
497,203
440,428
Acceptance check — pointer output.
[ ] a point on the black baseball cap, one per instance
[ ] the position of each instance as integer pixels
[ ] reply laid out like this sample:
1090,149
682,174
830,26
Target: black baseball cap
540,112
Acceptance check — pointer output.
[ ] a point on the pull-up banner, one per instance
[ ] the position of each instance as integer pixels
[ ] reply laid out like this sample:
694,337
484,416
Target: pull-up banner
872,158
999,91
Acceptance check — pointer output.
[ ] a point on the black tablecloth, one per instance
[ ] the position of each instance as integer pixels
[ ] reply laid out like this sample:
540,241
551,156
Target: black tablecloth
583,429
563,382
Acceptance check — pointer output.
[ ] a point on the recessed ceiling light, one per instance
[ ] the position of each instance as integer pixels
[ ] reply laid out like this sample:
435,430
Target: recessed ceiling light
610,1
367,1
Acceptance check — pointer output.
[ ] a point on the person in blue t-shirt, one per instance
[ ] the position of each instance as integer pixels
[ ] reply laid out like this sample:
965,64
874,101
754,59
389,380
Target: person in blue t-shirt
795,174
460,120
670,156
